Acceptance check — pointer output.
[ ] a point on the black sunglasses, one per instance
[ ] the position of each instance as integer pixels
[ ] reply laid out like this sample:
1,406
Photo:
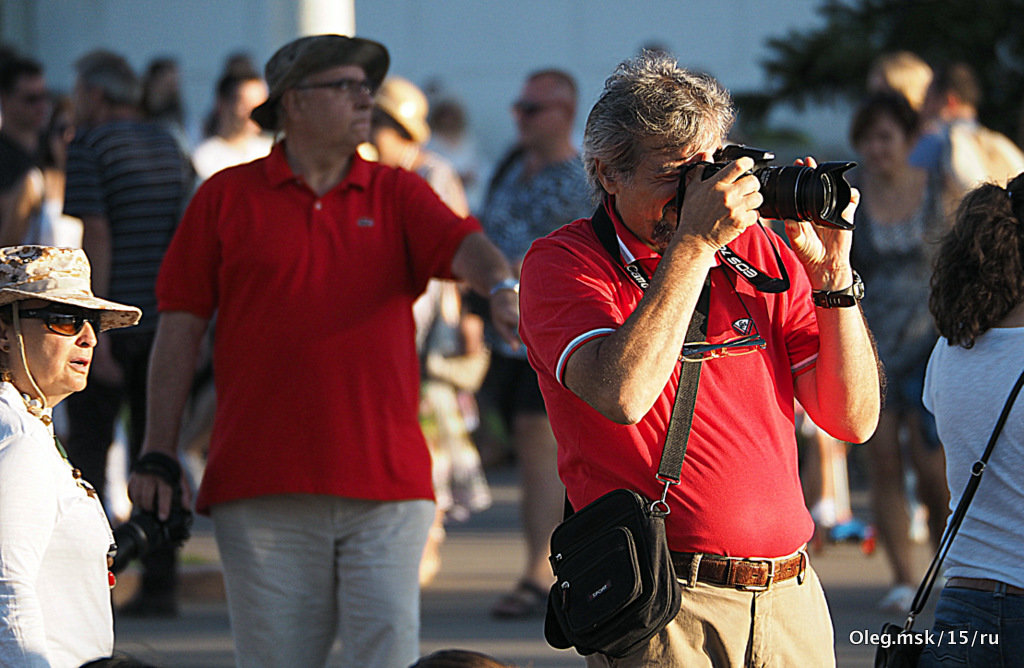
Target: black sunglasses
64,320
530,108
35,98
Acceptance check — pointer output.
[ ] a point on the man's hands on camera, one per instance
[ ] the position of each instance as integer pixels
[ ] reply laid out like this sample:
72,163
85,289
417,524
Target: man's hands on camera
824,251
152,493
717,210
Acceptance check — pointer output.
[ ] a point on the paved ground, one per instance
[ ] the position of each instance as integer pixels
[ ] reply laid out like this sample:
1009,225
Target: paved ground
480,560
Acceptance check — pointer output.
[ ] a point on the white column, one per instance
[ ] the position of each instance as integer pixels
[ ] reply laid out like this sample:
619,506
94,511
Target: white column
327,16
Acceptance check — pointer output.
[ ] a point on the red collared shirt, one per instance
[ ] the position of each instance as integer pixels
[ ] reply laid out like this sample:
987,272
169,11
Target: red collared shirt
740,492
315,365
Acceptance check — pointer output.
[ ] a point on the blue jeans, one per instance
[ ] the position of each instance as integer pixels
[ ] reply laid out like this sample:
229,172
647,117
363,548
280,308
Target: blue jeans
976,628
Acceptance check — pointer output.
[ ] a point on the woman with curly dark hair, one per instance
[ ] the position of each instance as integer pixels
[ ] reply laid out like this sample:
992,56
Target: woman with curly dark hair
977,300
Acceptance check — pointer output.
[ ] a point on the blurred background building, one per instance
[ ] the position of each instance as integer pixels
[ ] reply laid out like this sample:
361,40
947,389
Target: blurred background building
475,51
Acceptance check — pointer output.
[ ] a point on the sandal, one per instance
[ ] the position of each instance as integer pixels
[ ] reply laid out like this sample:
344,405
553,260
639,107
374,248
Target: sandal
526,600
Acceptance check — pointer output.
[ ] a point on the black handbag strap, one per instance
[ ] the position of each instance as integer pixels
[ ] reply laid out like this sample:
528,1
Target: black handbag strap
957,518
674,450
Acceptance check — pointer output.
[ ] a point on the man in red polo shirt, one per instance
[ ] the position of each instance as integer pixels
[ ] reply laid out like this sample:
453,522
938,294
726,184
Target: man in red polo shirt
606,344
318,477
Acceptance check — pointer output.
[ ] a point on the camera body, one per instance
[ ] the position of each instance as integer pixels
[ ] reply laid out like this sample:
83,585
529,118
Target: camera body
819,195
144,532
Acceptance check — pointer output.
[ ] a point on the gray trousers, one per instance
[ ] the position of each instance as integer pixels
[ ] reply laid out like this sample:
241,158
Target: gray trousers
302,570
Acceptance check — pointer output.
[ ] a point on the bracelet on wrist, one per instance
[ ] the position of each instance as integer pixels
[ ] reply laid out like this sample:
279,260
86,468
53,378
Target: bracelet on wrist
159,464
507,284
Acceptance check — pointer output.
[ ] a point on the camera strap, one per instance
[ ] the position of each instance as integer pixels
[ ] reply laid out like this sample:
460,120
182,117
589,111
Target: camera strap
762,282
674,450
605,231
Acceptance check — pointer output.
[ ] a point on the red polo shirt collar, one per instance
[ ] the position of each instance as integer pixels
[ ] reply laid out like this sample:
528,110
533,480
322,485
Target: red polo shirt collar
279,172
630,245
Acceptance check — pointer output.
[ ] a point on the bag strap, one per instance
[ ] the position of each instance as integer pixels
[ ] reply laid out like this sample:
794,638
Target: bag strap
957,518
686,397
674,450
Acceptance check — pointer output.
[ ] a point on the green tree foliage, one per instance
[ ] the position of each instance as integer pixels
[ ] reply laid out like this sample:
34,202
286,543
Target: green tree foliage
829,60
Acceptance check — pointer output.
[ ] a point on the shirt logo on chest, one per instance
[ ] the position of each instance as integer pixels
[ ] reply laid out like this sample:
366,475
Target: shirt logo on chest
364,222
743,326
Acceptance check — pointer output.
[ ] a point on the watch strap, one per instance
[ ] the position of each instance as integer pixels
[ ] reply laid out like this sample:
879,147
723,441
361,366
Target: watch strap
844,298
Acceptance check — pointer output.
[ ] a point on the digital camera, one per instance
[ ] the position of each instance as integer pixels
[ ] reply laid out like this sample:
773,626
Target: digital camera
819,195
144,531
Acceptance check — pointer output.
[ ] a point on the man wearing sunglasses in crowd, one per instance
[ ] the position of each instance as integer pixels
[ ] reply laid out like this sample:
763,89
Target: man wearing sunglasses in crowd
538,187
318,478
605,323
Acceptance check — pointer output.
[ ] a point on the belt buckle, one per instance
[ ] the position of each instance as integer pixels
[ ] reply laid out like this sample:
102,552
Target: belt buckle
768,582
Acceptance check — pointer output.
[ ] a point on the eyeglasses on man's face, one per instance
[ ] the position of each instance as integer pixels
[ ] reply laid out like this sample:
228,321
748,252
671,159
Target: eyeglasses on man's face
528,108
63,320
346,85
701,351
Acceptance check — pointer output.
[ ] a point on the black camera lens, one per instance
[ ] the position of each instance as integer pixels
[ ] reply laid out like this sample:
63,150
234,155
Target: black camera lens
143,533
133,539
800,193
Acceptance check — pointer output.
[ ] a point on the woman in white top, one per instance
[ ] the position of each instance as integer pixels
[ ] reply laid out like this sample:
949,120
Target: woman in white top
54,537
977,300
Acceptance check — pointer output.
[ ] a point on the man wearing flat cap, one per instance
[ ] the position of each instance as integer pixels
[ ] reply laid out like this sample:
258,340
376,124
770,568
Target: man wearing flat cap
318,477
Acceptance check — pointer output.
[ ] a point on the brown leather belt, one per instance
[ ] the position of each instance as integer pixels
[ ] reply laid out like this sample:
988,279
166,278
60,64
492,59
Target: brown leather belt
983,584
739,573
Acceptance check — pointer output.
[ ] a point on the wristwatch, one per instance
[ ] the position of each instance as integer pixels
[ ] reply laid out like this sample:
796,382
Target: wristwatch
507,284
840,298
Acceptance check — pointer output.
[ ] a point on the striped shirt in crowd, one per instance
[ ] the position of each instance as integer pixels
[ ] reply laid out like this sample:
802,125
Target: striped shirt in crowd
133,173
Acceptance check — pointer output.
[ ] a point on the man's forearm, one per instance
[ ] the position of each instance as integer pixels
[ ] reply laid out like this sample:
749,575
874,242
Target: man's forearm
842,394
96,244
171,369
623,374
17,206
479,262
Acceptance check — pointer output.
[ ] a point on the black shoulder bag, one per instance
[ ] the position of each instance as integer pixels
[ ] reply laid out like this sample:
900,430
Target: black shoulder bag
615,586
900,647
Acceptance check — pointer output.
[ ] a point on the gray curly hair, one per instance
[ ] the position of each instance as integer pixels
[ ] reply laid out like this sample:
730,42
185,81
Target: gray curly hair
650,95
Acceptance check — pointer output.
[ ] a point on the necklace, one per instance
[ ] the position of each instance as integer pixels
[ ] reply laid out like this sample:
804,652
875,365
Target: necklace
35,408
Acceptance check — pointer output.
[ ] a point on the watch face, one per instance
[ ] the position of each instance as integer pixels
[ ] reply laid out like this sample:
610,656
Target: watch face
857,289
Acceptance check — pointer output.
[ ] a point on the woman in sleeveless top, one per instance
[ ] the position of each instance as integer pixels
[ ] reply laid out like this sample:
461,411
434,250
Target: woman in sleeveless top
898,220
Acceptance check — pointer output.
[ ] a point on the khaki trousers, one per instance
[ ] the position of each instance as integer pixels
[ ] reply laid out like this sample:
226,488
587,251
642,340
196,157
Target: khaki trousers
788,625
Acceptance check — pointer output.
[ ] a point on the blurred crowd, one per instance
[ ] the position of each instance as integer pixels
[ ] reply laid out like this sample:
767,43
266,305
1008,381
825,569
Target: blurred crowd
111,166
